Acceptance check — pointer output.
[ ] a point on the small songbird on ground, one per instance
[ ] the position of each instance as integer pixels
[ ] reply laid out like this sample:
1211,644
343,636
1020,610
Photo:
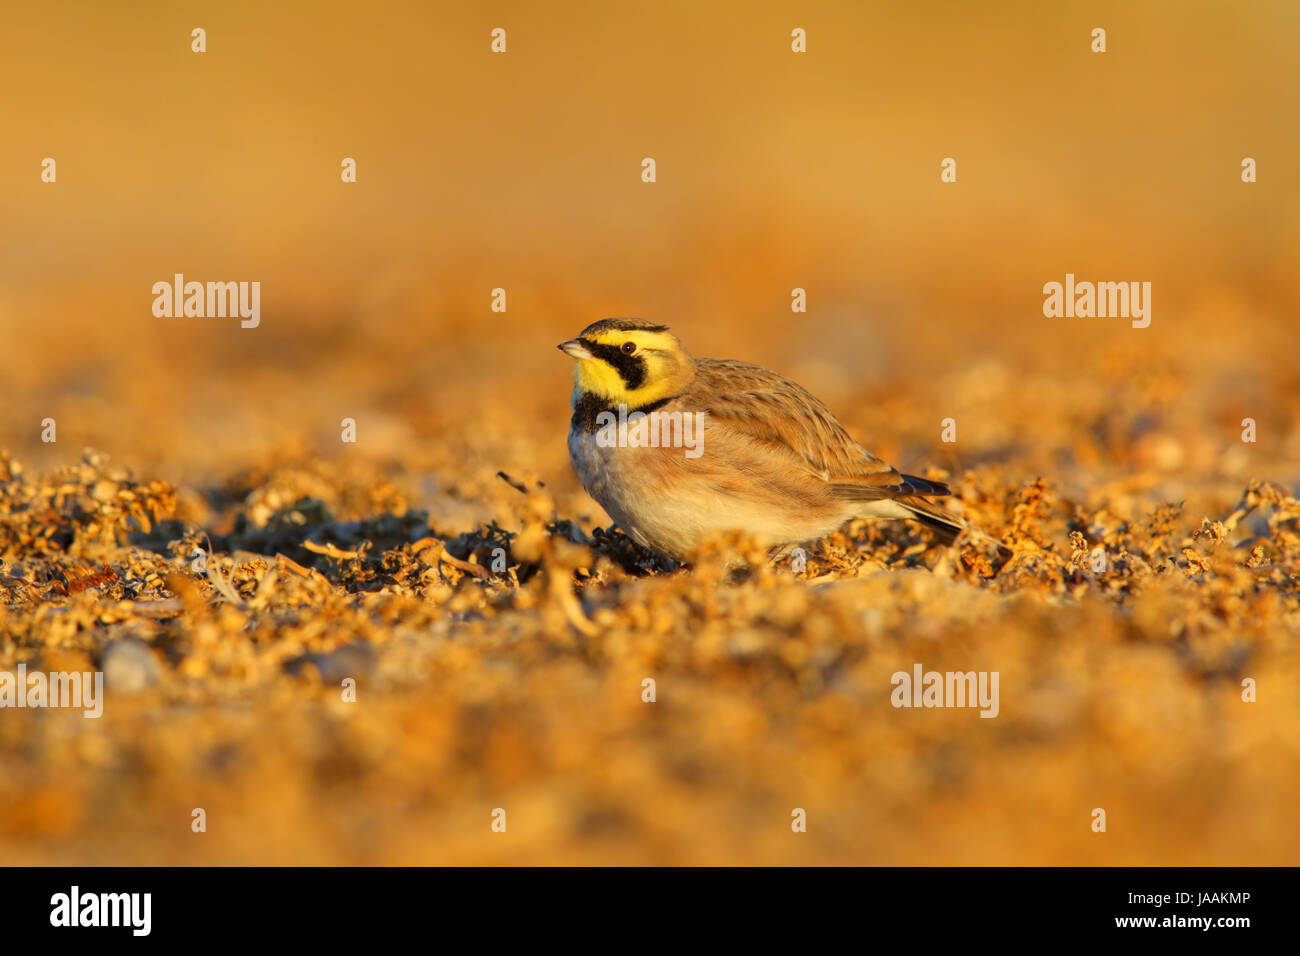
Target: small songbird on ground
676,448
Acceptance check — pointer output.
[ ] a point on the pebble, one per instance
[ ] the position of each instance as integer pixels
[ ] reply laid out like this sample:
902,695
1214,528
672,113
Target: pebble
129,666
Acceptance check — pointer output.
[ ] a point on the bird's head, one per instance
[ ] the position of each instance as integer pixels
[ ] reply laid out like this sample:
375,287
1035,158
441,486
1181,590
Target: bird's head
629,361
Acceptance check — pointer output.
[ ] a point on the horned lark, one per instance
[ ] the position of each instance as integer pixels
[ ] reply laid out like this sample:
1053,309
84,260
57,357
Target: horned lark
675,448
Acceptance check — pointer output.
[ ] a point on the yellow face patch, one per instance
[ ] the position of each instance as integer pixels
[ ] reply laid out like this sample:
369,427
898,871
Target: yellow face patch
600,378
664,341
647,374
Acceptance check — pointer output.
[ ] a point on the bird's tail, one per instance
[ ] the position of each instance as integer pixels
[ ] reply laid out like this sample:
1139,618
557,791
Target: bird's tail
911,498
946,527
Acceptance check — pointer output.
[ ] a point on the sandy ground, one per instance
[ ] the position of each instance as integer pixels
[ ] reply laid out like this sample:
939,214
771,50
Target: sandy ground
1120,689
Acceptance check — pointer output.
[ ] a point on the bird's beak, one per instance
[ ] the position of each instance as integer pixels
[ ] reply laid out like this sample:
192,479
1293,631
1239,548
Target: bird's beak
575,348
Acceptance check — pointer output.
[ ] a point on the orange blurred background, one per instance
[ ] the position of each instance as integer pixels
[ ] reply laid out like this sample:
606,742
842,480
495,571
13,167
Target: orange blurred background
522,171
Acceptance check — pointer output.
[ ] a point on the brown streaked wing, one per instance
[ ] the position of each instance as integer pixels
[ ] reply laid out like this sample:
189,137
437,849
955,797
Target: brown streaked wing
909,485
769,408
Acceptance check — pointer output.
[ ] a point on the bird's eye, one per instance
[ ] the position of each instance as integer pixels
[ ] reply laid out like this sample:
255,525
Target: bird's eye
629,348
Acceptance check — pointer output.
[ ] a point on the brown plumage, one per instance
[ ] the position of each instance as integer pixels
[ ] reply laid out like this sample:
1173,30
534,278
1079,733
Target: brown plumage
769,457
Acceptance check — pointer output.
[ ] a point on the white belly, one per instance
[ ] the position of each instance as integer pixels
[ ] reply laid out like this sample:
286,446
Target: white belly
668,503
